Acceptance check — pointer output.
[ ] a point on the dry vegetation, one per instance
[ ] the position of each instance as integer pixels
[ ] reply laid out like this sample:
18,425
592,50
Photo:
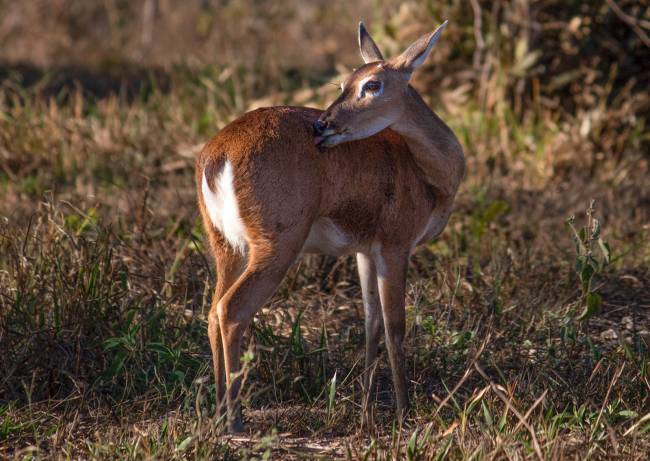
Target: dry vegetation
525,340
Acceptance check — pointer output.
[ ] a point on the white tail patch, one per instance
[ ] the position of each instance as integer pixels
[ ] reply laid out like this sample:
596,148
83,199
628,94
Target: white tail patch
223,209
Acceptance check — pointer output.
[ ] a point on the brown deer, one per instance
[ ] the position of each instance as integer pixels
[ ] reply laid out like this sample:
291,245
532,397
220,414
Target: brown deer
375,174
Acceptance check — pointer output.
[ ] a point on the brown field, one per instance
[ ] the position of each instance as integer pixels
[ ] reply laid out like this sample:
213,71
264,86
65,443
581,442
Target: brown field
521,343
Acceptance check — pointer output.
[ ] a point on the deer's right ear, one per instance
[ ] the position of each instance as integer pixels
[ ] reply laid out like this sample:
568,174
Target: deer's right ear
367,46
417,53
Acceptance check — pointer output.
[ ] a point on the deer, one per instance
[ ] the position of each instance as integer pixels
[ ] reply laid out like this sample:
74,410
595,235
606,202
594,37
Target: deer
374,175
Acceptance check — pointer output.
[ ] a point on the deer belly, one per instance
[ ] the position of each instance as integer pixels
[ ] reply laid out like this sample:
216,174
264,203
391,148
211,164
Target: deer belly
426,233
327,238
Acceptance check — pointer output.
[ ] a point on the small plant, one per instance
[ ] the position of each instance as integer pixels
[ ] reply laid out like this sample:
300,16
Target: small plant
331,397
592,256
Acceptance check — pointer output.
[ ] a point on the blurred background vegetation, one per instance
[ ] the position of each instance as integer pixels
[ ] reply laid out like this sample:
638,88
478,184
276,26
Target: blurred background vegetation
541,53
104,281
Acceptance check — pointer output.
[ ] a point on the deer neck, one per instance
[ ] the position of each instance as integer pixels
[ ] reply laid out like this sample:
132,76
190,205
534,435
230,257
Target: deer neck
433,145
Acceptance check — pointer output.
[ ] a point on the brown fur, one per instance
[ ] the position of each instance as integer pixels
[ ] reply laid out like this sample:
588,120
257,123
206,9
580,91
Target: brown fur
369,188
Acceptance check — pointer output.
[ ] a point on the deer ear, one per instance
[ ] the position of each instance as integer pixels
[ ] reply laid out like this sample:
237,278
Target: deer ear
367,46
419,51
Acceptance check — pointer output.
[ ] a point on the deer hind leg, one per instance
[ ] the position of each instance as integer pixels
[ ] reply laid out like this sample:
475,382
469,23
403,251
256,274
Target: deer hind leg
236,309
392,265
230,265
373,323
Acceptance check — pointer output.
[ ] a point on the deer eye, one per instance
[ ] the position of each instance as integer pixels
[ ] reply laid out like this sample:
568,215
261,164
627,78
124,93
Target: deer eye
372,86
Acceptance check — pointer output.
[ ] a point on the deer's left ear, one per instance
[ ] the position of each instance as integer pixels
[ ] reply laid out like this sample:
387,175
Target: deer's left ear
367,46
419,51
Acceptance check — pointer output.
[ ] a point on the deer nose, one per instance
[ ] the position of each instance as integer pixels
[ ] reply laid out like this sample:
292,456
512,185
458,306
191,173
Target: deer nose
320,126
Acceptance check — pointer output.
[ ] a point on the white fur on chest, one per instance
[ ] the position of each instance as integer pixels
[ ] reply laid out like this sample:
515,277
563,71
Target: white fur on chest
223,209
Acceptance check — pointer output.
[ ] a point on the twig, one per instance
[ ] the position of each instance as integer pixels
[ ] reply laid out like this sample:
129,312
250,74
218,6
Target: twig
617,375
530,410
478,36
632,22
467,374
509,405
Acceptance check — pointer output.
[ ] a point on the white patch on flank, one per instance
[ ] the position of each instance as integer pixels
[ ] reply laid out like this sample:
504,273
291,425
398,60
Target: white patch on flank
325,237
374,94
223,210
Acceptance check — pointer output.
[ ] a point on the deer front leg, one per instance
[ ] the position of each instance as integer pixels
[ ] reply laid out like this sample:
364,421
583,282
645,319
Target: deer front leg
391,277
372,312
373,322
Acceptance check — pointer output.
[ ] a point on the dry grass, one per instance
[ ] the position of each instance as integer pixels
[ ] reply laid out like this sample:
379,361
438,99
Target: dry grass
105,282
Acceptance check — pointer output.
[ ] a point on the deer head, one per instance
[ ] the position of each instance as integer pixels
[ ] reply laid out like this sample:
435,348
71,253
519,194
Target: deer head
372,98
